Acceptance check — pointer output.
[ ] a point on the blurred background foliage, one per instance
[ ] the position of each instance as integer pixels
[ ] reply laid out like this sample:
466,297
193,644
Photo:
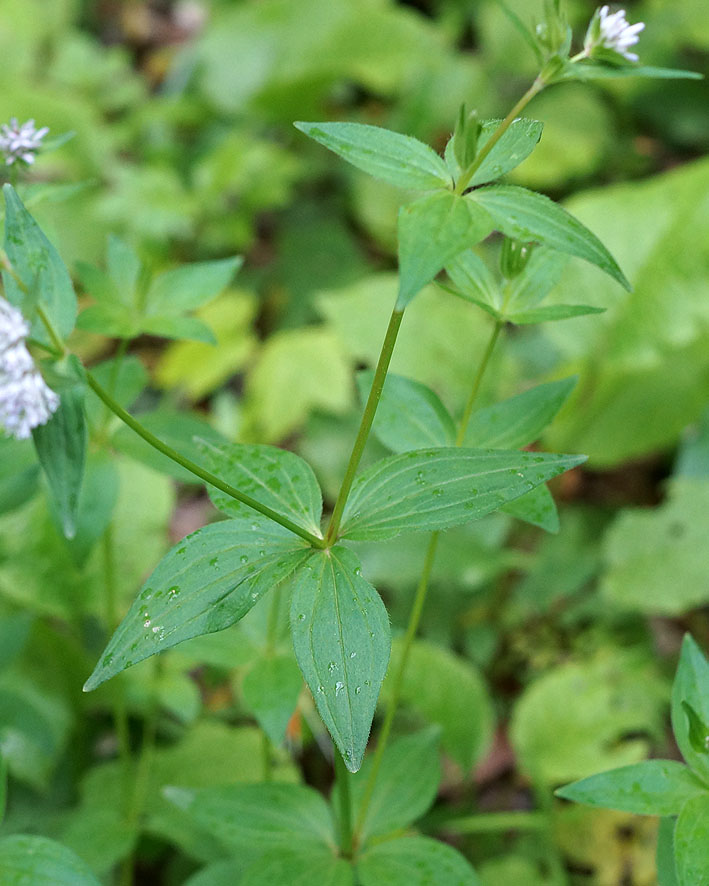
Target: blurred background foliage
184,147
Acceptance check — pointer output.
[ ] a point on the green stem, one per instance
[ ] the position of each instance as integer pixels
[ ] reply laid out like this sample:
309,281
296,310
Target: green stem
195,469
419,601
365,425
266,757
466,177
342,777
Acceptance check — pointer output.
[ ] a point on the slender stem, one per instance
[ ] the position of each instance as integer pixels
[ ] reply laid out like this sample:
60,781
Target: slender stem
466,177
266,757
365,425
345,811
54,336
419,599
477,381
195,469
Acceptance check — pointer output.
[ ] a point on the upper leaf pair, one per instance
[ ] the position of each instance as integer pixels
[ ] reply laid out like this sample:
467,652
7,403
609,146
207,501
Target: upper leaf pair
437,227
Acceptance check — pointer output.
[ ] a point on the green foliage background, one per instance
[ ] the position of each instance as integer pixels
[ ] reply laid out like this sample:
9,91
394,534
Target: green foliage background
184,147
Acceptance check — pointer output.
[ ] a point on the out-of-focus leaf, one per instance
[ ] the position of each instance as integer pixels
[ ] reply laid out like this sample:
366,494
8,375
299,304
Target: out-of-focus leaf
665,859
690,688
41,862
414,861
691,839
190,286
19,472
270,690
299,867
536,507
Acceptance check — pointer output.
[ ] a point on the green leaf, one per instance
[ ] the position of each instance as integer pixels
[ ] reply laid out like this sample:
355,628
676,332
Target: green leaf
275,477
263,817
474,281
437,488
41,862
99,493
38,265
406,785
205,583
398,159
550,313
656,560
270,690
665,859
521,419
184,431
691,686
516,145
341,637
409,415
19,472
124,268
447,691
527,215
698,730
691,841
536,507
189,287
168,326
126,379
414,861
587,71
61,448
299,867
3,788
653,787
432,231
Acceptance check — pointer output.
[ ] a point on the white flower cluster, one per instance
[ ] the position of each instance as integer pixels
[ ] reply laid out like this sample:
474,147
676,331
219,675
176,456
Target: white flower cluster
612,32
25,399
20,142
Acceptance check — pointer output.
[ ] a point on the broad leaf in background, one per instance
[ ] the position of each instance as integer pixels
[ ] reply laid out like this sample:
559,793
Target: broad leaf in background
652,787
61,448
691,841
414,861
341,637
99,494
256,818
432,231
19,473
406,785
409,415
270,691
299,867
38,265
398,159
519,420
275,477
437,488
585,716
528,216
204,584
656,560
665,859
41,862
691,689
447,691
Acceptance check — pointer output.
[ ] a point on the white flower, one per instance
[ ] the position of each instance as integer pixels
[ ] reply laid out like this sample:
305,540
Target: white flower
613,33
25,399
20,142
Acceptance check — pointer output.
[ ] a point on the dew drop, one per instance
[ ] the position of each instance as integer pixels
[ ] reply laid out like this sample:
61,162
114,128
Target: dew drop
301,616
339,687
146,623
353,655
243,558
358,689
173,591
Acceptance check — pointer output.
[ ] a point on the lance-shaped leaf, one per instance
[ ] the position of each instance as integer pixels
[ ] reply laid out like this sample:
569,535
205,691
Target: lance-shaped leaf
204,584
275,477
184,289
437,488
61,449
519,420
474,281
691,690
550,313
653,787
516,145
589,71
38,265
398,159
432,231
691,841
529,216
409,415
37,861
270,691
342,641
540,275
537,508
414,861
